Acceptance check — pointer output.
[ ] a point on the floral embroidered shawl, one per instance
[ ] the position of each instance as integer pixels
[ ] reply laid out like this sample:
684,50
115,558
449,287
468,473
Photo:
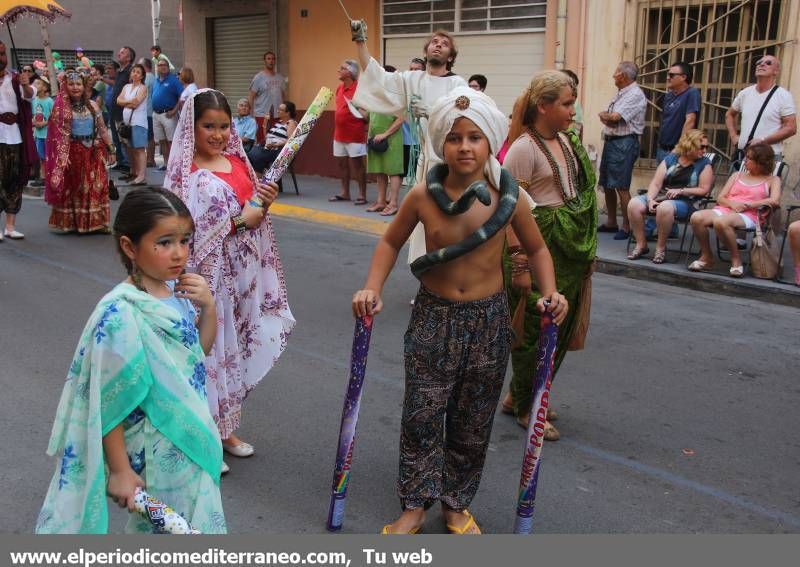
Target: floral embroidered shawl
243,270
135,352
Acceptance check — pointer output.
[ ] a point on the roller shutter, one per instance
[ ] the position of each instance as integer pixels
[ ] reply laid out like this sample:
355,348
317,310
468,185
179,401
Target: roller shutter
508,60
238,49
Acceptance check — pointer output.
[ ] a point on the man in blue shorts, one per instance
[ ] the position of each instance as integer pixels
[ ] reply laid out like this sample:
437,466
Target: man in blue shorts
623,124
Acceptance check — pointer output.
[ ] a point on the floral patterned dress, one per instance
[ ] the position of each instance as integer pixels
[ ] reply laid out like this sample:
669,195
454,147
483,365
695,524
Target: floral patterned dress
139,363
243,271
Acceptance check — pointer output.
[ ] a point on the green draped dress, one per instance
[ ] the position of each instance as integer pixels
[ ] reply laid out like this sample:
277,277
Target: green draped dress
570,232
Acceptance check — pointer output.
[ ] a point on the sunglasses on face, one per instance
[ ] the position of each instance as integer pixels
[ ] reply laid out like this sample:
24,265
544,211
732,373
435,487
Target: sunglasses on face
673,75
704,147
27,70
764,62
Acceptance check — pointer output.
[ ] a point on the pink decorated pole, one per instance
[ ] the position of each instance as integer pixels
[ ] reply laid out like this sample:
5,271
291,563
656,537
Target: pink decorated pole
531,461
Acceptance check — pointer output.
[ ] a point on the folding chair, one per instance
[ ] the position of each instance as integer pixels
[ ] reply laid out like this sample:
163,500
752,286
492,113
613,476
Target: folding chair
713,157
294,179
779,276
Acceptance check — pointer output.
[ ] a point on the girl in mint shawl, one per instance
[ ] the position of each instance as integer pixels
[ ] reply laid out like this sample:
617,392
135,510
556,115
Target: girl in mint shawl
550,163
133,412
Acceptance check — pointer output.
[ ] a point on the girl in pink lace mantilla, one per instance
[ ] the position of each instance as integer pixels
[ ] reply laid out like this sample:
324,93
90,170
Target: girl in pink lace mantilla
234,249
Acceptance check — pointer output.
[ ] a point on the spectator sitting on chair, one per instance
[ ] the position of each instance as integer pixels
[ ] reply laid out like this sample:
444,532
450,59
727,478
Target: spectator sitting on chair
245,124
794,246
737,207
261,157
683,176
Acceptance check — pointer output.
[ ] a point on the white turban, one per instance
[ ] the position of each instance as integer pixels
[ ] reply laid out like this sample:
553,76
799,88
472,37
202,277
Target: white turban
481,109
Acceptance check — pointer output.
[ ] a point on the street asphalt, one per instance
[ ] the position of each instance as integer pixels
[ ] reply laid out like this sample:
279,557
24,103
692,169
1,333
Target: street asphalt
680,416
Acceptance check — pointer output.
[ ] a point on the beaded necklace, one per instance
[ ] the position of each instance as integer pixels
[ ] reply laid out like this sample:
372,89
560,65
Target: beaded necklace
569,192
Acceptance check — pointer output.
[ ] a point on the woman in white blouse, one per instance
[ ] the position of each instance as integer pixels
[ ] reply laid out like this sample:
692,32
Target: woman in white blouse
133,100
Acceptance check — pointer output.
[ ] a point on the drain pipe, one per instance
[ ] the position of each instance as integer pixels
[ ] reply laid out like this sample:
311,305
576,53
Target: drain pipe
561,34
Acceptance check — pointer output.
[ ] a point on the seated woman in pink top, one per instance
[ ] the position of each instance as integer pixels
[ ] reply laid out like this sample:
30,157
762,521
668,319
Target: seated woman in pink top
737,208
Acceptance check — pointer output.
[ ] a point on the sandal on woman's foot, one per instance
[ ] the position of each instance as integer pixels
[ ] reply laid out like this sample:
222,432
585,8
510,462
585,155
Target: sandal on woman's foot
700,266
360,201
637,253
658,257
470,527
375,207
507,405
736,271
389,211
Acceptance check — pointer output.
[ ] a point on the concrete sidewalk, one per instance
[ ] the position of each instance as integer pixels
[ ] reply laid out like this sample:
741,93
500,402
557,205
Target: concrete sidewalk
312,205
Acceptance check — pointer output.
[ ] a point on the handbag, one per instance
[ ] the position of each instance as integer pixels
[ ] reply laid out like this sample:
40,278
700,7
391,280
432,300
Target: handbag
763,257
124,130
379,147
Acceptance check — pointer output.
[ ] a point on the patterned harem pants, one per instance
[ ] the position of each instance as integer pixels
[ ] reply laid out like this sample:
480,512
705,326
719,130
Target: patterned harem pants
10,189
455,360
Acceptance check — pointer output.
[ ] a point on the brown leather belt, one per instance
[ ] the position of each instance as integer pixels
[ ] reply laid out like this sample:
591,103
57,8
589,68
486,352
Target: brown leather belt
8,118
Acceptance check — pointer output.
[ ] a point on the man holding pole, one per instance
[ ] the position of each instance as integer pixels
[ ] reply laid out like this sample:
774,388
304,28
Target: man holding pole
412,92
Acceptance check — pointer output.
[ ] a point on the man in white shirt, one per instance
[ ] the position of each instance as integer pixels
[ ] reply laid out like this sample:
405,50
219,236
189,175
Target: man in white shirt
779,119
16,142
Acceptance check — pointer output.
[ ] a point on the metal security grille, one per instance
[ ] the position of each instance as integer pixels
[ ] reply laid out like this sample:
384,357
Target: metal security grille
721,39
238,50
409,18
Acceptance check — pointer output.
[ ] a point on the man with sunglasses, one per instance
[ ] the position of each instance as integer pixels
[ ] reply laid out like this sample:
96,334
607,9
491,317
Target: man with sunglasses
778,119
680,108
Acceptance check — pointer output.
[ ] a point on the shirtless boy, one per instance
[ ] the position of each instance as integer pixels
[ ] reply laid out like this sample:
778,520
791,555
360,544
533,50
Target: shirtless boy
459,337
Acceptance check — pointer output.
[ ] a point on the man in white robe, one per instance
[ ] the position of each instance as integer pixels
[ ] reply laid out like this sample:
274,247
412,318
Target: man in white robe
415,91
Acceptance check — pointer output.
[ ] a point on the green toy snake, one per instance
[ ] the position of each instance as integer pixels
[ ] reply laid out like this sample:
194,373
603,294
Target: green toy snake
509,191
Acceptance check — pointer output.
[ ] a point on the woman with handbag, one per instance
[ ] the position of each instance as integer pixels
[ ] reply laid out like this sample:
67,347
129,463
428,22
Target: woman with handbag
737,207
551,164
78,148
133,100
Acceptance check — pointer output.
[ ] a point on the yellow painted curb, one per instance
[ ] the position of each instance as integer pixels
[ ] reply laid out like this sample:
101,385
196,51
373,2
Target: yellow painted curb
333,219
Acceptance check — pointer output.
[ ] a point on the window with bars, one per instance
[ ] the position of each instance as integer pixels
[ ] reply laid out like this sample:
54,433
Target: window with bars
406,18
720,39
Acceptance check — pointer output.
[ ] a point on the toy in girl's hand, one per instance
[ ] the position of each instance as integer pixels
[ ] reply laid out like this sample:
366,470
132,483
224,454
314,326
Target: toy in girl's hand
358,30
164,519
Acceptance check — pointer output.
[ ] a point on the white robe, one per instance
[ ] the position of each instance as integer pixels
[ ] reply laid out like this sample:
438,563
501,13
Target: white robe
390,93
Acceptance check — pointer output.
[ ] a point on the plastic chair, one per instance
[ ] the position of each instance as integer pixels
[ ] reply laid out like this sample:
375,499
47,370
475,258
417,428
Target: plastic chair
779,276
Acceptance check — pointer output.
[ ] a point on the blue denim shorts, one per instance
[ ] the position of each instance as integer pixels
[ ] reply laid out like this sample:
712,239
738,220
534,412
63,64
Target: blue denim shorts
616,164
41,148
683,209
138,137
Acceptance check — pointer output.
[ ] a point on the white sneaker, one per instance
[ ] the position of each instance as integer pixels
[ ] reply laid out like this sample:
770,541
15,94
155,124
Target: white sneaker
13,234
225,468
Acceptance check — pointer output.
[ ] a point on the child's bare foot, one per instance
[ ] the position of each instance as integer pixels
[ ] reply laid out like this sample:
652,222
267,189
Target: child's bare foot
409,522
460,522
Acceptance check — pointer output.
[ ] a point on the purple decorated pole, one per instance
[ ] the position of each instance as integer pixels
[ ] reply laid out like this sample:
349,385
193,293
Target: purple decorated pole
548,337
347,430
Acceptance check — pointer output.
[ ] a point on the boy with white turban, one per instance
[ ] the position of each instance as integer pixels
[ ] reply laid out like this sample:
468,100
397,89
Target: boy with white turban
458,341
